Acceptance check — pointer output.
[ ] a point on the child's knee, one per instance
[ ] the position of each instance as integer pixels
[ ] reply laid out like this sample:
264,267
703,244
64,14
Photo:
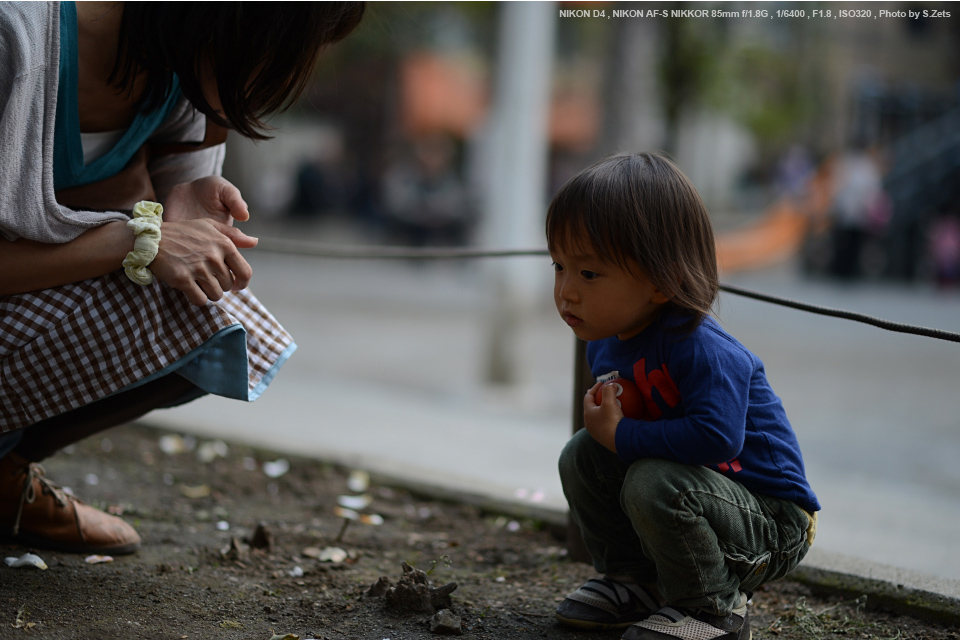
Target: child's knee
656,475
579,455
652,484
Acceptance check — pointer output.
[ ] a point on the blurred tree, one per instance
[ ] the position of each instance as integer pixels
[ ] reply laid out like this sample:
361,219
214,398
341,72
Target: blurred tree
633,119
762,82
691,58
769,90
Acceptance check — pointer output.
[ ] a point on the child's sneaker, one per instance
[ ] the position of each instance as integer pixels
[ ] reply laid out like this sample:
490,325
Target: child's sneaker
670,623
603,603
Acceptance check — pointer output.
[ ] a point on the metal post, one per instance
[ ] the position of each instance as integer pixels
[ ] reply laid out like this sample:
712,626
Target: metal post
516,175
582,381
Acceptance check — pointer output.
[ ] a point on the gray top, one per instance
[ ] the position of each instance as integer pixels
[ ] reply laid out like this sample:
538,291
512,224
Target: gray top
30,49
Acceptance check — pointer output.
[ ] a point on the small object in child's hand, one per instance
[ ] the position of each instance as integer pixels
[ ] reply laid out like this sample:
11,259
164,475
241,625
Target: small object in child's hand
628,396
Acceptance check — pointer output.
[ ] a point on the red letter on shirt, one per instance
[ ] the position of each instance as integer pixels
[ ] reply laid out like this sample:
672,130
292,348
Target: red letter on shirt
660,380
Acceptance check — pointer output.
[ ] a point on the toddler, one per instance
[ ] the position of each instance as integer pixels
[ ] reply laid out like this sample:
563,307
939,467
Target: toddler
687,482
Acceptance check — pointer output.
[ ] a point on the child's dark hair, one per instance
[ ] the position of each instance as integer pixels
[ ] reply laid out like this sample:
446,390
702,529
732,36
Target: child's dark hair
639,211
263,53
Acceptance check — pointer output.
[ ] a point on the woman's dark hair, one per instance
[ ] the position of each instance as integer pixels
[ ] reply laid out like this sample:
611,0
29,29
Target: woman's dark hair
262,53
641,212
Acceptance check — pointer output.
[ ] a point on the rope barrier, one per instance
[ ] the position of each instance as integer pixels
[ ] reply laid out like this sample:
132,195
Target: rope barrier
366,252
939,334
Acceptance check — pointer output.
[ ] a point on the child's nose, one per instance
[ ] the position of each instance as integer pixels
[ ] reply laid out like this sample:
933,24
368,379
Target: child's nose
568,292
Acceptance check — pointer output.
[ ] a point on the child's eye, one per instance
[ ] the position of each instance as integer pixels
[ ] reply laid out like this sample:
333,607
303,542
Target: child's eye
589,275
557,267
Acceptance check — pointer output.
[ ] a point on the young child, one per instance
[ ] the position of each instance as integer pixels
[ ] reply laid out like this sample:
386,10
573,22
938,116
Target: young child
690,488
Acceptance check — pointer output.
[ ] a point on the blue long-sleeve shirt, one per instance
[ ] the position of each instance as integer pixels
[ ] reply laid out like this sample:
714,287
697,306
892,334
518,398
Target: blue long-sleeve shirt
706,401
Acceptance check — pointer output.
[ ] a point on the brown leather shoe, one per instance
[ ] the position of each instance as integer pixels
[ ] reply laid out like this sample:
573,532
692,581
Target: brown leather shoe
37,513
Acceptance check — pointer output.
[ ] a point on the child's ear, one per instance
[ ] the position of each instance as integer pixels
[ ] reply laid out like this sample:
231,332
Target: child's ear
662,297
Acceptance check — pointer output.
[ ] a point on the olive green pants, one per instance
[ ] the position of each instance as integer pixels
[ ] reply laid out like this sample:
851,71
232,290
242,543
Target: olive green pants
700,536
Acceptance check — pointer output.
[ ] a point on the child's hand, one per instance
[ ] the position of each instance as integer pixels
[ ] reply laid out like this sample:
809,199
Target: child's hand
601,420
211,198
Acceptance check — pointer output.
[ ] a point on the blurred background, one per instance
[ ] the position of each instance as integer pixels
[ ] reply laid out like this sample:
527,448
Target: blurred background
826,147
394,134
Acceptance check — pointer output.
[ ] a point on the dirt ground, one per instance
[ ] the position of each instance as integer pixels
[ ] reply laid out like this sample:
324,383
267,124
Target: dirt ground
198,506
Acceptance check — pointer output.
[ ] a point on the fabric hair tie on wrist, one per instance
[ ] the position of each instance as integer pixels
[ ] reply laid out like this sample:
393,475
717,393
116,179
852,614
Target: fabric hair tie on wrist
146,225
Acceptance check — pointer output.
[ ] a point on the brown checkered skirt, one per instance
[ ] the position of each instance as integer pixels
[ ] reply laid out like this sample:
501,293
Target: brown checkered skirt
66,347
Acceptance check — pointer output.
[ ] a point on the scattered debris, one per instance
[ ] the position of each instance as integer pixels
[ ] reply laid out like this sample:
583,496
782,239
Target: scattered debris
345,513
20,622
95,559
223,525
357,503
523,493
414,594
311,552
379,587
92,479
199,491
287,636
173,444
349,515
445,622
276,468
180,585
231,624
237,550
296,572
210,451
27,560
358,481
365,518
262,537
332,554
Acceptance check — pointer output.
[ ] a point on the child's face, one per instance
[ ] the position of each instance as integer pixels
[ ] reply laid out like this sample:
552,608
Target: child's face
598,299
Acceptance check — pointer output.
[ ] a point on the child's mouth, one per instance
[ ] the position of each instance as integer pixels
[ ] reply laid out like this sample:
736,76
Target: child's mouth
572,320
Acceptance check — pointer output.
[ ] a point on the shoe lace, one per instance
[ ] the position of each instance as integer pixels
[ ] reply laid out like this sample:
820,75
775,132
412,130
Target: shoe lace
35,471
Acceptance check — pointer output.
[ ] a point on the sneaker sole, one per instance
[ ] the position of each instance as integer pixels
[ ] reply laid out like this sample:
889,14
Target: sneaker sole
587,625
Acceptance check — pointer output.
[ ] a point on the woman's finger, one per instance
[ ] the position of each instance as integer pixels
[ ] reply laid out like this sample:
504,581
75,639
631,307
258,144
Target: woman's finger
237,237
241,270
195,295
234,202
211,288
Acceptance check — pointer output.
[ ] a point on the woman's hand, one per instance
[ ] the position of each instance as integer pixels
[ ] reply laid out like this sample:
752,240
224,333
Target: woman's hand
601,420
199,246
201,258
212,198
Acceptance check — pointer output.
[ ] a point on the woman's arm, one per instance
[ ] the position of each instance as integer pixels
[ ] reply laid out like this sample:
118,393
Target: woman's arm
201,258
198,251
26,265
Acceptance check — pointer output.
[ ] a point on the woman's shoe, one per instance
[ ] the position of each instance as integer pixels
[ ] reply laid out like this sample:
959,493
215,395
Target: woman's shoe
37,513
